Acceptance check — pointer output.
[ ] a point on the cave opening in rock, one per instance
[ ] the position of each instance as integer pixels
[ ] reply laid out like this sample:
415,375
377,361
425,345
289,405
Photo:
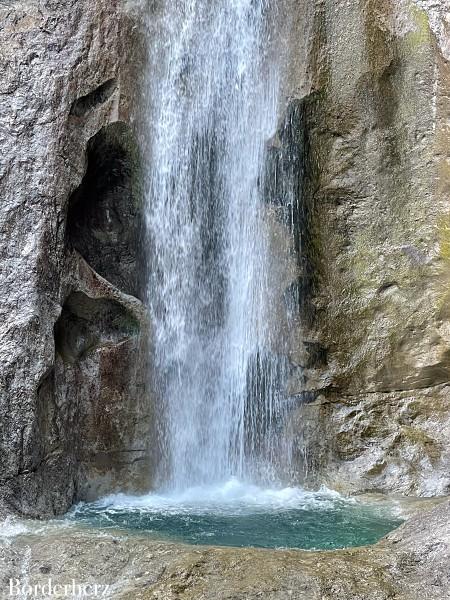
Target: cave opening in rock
104,222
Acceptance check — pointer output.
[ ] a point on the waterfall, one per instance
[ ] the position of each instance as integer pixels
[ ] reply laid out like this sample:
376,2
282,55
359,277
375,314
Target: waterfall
212,107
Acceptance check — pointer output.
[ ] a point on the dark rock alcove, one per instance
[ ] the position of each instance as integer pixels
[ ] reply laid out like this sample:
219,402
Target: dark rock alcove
104,220
100,378
99,96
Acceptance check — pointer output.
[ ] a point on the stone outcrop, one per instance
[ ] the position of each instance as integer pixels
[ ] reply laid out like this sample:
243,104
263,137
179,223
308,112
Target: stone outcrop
74,413
373,81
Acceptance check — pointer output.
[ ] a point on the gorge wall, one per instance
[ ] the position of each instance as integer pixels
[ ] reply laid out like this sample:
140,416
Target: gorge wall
367,119
376,245
74,407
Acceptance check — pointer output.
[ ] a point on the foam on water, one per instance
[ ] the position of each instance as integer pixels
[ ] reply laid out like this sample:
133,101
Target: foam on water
230,497
11,527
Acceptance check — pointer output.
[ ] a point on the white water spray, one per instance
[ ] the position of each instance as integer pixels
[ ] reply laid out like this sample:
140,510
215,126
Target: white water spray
212,107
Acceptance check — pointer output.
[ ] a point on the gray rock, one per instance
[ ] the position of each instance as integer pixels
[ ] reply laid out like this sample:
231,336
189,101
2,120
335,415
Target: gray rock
374,343
73,400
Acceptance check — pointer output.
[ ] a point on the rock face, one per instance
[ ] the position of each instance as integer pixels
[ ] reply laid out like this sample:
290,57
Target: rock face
373,80
73,404
368,101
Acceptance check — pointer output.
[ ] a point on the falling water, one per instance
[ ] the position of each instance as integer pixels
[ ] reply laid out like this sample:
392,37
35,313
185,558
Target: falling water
225,232
212,108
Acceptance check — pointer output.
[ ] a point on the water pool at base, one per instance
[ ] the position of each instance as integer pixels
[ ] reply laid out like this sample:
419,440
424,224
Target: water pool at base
242,515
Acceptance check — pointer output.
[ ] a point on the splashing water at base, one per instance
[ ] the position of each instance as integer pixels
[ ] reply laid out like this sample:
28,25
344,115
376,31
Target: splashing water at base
238,514
10,528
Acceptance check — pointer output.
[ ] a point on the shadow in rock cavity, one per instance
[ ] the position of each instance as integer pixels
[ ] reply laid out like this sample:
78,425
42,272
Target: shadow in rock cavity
105,214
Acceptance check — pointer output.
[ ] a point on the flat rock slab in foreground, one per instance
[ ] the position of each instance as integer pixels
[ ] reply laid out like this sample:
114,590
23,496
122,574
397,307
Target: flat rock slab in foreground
411,563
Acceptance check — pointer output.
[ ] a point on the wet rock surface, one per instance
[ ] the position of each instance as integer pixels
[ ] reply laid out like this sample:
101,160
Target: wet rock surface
373,347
